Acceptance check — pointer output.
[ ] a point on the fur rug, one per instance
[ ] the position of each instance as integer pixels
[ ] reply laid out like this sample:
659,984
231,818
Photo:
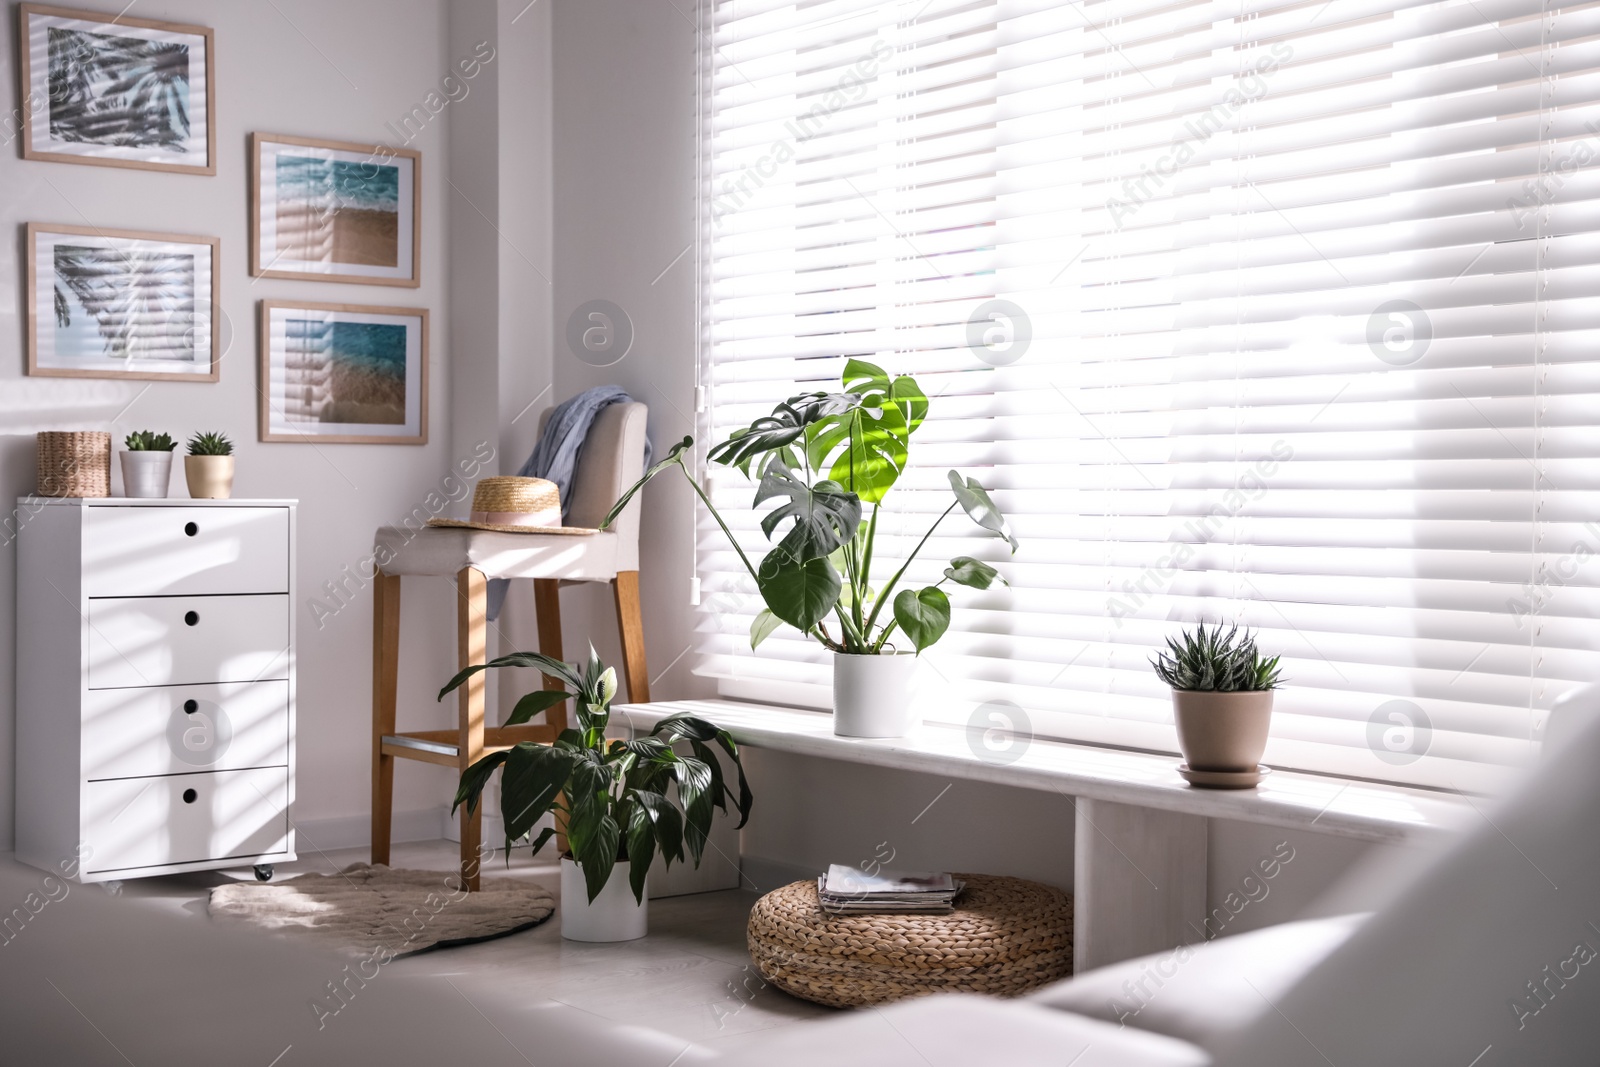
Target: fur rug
398,911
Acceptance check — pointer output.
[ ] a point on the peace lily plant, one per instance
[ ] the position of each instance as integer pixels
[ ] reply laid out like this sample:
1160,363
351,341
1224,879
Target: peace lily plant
825,458
614,795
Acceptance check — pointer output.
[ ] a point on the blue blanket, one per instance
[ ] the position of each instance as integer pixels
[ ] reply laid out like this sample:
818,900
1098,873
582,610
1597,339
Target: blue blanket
555,457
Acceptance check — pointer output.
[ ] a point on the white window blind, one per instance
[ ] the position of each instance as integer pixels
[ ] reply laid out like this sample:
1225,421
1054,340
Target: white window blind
1299,331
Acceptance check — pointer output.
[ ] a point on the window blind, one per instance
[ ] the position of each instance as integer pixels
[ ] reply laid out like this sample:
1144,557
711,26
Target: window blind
1251,311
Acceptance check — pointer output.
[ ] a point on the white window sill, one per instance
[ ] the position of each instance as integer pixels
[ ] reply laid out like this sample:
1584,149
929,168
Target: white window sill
1368,811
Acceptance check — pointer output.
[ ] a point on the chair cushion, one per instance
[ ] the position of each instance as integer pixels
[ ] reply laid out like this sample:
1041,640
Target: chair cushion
1204,992
445,550
957,1030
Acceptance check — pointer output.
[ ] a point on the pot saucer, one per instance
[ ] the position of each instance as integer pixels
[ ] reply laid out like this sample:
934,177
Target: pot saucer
1224,779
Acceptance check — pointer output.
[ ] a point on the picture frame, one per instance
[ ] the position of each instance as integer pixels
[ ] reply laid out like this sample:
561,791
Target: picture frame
134,304
343,373
113,91
335,211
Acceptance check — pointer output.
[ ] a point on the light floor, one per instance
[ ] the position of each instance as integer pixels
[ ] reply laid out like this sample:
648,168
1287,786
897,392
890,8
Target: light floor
690,977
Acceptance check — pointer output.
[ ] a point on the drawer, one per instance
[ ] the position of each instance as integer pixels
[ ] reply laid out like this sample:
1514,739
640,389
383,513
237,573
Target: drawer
161,551
185,818
187,640
182,728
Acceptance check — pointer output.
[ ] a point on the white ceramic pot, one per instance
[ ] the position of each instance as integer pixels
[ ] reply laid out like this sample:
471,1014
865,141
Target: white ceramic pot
613,915
209,477
874,696
146,474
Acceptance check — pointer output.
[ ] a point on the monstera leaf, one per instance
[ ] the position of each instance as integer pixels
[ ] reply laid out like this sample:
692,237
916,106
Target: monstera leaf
789,422
980,509
869,442
924,614
825,516
974,573
801,593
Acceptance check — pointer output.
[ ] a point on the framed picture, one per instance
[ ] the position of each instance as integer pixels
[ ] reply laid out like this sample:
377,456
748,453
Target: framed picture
122,304
344,374
334,212
114,91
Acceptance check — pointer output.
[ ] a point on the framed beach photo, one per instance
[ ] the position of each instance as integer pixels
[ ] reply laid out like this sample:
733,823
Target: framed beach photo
343,373
334,212
122,304
114,91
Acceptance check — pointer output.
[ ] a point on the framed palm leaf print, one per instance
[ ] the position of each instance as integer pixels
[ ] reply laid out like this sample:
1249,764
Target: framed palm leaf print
114,91
122,304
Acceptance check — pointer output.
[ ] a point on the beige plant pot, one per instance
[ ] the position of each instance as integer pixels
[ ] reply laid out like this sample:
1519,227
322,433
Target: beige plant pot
1222,731
209,477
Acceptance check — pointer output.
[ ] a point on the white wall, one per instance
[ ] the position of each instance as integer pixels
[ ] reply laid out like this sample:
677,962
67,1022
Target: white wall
337,70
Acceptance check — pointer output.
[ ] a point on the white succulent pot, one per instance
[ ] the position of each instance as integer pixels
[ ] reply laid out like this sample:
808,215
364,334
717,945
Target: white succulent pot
874,696
146,474
612,916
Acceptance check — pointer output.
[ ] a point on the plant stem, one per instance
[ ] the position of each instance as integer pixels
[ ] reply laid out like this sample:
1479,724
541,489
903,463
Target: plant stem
866,570
729,533
885,596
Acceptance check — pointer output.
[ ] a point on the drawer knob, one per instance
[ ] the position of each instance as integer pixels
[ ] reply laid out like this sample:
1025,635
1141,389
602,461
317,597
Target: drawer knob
190,796
190,528
191,617
191,706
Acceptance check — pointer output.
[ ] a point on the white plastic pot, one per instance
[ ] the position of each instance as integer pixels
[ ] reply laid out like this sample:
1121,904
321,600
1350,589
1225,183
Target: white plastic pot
613,915
146,474
874,696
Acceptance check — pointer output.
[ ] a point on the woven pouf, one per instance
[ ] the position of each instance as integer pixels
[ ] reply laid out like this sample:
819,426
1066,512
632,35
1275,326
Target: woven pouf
1005,937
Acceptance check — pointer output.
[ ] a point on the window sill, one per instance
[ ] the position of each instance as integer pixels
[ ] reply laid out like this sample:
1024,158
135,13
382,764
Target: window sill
1368,811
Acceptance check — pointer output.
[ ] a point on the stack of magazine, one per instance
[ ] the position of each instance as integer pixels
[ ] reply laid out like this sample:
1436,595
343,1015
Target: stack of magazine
847,891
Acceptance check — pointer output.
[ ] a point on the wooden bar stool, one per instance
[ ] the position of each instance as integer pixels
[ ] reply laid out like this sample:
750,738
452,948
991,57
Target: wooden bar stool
612,459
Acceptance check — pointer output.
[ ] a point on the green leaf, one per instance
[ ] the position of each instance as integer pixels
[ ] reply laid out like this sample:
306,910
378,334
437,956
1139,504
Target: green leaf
474,779
964,570
924,615
980,509
801,594
598,854
825,516
787,424
667,821
533,703
672,459
553,667
535,775
641,850
913,402
543,839
762,626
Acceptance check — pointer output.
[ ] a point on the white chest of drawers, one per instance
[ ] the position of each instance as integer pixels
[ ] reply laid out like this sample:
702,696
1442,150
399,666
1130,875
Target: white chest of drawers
155,685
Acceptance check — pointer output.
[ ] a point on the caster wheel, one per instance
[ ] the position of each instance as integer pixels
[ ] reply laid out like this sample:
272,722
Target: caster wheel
263,872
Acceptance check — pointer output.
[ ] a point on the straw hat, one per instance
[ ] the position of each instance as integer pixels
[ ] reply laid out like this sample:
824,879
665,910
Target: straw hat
515,505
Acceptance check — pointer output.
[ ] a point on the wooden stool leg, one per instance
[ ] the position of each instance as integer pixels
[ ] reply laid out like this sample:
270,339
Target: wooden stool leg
472,643
630,620
547,610
385,688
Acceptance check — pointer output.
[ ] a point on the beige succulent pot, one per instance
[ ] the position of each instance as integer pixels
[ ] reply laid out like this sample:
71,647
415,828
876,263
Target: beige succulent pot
209,477
1222,731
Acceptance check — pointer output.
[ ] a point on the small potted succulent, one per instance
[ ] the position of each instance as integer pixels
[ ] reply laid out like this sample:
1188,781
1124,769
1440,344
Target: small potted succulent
614,796
147,464
208,468
1222,702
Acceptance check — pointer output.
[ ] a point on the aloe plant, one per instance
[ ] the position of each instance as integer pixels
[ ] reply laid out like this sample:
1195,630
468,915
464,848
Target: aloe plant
210,444
149,441
1210,660
613,794
823,457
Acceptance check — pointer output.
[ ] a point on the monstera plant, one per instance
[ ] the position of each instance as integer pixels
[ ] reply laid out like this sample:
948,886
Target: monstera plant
824,458
825,462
